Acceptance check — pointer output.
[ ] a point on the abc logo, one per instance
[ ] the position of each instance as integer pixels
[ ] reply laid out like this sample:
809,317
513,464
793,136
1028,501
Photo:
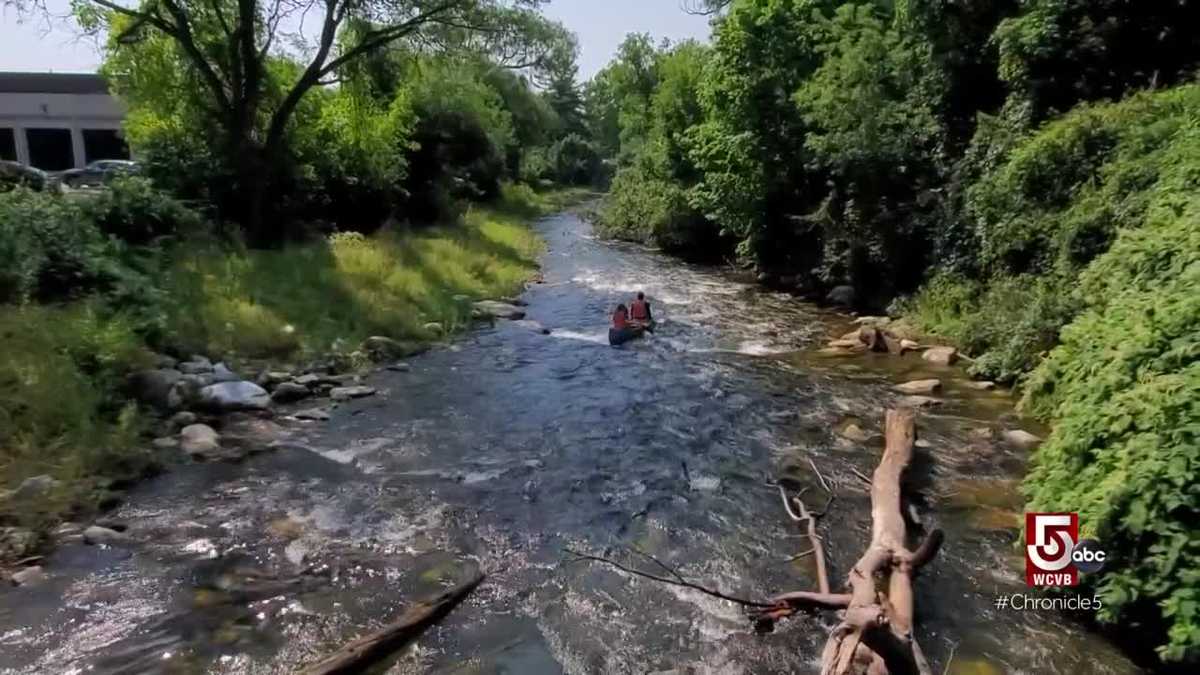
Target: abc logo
1087,556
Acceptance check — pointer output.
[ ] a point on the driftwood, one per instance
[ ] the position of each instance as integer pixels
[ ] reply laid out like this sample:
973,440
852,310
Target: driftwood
875,635
361,653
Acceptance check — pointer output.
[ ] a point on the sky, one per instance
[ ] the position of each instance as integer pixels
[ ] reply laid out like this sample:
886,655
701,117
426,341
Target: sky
35,45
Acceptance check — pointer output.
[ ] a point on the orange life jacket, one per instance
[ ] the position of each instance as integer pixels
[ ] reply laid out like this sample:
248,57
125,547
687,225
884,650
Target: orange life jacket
639,310
619,319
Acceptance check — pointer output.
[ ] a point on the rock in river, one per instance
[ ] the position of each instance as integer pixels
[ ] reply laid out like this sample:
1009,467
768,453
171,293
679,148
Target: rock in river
380,348
227,396
102,535
855,433
347,393
199,439
919,386
919,401
494,309
841,295
1021,439
943,356
287,392
30,576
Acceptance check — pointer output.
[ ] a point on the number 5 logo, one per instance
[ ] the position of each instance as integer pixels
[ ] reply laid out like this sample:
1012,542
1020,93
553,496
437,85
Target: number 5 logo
1049,539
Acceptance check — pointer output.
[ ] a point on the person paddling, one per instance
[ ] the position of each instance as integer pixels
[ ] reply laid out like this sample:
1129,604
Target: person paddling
639,312
620,330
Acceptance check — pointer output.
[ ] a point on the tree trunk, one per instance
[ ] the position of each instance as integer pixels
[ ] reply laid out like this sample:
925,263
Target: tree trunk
875,635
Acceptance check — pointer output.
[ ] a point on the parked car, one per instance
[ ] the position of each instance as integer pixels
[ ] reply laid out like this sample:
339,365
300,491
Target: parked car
98,173
13,174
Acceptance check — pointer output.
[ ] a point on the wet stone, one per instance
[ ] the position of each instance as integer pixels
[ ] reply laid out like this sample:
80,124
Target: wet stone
347,393
96,535
29,576
919,386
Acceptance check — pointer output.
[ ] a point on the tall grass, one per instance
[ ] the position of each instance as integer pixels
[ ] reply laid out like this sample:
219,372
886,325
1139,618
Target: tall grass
331,294
64,409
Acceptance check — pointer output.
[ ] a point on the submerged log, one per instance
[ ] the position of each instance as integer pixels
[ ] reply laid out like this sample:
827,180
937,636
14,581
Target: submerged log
361,653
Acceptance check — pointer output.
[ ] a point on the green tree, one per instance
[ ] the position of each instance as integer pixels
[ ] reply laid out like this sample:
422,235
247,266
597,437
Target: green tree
227,48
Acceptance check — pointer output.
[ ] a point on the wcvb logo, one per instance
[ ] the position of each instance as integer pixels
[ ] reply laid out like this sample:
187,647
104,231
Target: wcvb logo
1054,554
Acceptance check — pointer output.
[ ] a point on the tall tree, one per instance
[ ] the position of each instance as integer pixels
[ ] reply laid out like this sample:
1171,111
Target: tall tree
228,46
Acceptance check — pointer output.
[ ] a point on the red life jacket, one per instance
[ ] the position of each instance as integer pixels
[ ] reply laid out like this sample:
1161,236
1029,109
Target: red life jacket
619,319
639,311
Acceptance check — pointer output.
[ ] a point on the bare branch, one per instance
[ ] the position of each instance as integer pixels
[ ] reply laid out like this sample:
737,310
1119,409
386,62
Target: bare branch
674,582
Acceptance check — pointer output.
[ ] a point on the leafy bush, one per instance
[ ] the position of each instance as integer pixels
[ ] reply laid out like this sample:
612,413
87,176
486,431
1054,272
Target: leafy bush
653,211
132,210
49,248
1009,323
1123,389
1058,199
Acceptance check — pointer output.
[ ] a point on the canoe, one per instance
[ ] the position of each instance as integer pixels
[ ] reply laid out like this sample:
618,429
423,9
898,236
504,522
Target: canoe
618,336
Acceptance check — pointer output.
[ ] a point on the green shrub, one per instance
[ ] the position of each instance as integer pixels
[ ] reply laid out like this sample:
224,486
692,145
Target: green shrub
652,211
1059,198
1123,390
49,248
132,210
1008,323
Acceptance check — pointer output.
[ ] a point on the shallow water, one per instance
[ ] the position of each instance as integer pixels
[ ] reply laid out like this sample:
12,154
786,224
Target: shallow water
505,447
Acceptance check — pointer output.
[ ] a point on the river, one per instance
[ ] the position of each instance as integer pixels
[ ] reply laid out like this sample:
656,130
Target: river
507,445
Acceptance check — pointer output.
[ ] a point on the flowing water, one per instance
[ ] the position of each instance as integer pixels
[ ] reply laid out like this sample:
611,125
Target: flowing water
508,445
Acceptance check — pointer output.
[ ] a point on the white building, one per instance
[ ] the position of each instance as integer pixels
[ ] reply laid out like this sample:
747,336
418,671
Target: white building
58,121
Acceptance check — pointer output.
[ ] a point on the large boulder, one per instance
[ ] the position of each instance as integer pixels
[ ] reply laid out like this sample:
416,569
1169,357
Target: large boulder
379,348
943,356
494,309
841,295
229,396
199,439
153,387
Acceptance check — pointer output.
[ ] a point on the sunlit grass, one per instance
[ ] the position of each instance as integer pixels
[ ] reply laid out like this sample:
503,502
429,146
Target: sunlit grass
331,294
64,407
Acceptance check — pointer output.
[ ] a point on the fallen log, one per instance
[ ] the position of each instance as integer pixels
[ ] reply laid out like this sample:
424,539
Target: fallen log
361,653
875,635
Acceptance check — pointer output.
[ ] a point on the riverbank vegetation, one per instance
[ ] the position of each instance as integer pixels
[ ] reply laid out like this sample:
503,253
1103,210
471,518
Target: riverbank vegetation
1017,177
277,218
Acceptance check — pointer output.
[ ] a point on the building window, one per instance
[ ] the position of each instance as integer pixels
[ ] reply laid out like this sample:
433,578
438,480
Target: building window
104,144
50,149
8,144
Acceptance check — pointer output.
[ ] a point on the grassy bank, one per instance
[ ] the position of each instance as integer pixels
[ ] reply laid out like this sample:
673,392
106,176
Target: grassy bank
64,361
